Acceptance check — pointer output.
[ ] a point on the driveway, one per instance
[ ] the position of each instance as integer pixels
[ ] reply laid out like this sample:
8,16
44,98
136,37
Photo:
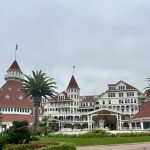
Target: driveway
133,146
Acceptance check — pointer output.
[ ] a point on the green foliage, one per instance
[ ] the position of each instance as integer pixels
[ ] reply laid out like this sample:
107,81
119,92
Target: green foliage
90,134
61,146
100,134
43,128
19,133
3,140
38,85
41,146
133,134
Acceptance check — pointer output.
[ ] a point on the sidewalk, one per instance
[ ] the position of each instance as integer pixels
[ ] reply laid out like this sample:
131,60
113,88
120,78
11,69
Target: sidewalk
133,146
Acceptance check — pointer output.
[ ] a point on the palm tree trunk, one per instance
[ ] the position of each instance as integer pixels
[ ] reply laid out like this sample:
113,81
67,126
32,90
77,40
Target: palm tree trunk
37,101
36,119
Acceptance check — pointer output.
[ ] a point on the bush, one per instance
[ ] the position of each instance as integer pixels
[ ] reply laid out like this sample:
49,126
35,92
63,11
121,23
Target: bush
41,146
19,133
61,146
3,140
133,134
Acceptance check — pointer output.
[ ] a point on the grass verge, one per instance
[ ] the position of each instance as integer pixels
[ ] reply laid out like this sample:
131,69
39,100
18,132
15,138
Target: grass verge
98,141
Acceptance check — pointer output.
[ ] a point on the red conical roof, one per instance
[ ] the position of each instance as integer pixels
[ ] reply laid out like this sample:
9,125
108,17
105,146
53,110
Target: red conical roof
73,84
14,66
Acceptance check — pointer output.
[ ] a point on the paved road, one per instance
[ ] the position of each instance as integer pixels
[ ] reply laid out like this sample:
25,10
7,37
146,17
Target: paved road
134,146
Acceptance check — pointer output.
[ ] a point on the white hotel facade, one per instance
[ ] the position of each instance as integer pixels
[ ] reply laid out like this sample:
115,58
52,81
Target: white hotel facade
111,109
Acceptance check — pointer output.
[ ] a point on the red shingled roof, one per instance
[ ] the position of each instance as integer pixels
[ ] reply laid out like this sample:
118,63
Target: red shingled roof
89,98
14,66
128,86
12,88
73,83
144,112
17,117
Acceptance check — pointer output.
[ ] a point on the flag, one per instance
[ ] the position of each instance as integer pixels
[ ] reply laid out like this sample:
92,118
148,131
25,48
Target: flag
16,46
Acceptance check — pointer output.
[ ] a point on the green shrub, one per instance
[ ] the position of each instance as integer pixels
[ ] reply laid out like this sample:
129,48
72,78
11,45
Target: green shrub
41,146
3,140
61,146
133,134
19,133
17,147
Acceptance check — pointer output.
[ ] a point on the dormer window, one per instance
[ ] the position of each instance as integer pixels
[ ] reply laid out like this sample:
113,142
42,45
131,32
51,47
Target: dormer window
9,89
20,97
18,90
83,98
1,89
7,97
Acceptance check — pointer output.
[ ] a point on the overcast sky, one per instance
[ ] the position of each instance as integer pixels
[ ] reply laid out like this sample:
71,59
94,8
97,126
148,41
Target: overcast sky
106,40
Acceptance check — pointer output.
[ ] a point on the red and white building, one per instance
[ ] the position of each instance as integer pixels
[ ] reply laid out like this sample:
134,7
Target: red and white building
111,109
13,105
117,108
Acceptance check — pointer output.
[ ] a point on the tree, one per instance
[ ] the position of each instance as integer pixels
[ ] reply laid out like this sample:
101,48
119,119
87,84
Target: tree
37,86
147,89
18,133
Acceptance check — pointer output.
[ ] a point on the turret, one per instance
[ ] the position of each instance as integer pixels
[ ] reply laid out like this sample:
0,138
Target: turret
14,72
73,89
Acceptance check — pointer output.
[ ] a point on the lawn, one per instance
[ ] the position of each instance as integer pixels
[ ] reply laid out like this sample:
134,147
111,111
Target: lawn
98,141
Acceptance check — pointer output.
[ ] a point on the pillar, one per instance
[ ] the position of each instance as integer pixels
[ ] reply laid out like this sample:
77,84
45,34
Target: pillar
142,127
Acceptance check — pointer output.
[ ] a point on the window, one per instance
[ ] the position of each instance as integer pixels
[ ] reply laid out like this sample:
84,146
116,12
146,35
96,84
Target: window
130,94
111,94
120,101
109,101
120,94
134,100
103,102
7,97
121,87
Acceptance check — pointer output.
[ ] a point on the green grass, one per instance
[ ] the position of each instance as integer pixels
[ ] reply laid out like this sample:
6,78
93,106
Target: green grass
98,141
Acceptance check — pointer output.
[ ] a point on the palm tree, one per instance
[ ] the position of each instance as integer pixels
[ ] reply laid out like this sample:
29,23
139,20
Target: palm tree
37,86
147,89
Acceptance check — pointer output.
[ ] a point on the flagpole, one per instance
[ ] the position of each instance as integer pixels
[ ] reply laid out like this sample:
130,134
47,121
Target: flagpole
15,54
73,70
16,50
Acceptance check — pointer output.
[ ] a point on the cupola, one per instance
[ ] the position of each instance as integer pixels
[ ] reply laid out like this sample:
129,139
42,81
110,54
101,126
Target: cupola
73,89
14,72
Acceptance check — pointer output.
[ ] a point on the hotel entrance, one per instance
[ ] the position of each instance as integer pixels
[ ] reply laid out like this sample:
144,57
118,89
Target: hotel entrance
105,119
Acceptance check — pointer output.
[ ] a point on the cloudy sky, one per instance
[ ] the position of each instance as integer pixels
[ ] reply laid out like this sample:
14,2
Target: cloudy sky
106,40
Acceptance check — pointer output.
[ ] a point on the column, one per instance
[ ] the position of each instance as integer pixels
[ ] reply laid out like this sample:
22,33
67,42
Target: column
135,126
120,121
142,128
130,126
117,124
88,119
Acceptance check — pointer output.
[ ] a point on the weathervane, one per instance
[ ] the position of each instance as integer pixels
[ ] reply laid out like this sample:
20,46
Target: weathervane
16,50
